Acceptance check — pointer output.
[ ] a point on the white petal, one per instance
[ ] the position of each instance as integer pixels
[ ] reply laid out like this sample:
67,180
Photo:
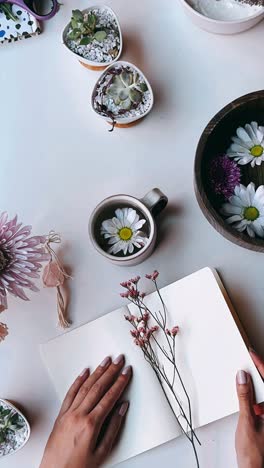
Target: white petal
109,226
233,219
258,229
245,160
131,248
250,231
251,192
242,225
236,200
247,145
254,126
244,195
251,133
235,148
125,247
117,223
139,224
120,216
243,135
258,161
259,192
115,248
228,208
131,216
113,240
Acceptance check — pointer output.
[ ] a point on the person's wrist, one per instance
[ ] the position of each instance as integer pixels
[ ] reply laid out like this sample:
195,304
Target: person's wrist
249,462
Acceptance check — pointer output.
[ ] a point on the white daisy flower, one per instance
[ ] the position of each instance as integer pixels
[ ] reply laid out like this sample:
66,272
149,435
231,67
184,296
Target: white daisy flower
123,231
245,209
248,145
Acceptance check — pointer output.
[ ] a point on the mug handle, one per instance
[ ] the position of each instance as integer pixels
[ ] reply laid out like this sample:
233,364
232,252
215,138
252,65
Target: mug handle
155,201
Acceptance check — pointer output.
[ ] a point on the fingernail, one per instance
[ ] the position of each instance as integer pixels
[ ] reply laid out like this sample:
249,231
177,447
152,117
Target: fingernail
105,362
123,408
83,372
127,370
241,377
119,359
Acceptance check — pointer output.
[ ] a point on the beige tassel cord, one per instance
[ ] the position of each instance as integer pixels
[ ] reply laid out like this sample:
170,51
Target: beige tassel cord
54,275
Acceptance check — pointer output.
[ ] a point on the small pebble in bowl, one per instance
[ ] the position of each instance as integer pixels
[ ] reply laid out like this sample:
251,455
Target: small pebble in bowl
225,10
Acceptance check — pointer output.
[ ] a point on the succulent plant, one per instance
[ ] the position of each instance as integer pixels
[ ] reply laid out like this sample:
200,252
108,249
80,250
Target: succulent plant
10,421
126,89
84,28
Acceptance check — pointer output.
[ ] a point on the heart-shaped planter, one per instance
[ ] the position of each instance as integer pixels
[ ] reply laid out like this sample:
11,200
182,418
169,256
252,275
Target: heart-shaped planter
14,429
122,95
94,37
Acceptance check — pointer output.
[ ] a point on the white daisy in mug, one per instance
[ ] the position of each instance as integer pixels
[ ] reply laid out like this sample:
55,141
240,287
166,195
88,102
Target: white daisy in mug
245,209
123,231
248,145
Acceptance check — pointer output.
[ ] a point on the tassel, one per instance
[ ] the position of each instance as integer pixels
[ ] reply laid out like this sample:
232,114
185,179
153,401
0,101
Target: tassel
54,276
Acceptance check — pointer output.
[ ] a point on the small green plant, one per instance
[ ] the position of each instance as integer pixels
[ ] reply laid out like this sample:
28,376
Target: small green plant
10,421
126,90
6,8
84,28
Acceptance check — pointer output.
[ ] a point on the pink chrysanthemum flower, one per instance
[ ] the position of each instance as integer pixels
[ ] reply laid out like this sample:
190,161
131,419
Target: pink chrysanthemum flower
20,259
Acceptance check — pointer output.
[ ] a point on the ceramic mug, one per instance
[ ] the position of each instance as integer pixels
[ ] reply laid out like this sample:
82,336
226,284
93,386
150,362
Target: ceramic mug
149,206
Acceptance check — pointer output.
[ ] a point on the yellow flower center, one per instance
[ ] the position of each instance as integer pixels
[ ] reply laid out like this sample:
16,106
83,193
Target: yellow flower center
125,233
257,151
251,213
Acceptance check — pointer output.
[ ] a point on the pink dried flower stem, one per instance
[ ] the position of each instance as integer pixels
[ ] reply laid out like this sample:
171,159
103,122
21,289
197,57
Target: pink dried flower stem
175,369
137,298
172,350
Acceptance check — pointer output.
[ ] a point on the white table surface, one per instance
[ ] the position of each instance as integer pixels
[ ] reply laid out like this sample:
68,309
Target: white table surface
58,161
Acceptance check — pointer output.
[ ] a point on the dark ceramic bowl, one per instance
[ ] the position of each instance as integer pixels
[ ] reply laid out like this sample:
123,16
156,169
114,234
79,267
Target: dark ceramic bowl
215,140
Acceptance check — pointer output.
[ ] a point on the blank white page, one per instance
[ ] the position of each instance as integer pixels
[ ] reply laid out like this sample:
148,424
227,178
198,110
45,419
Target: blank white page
150,421
209,347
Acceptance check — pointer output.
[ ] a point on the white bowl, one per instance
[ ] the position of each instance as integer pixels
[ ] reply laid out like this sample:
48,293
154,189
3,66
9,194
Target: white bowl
7,403
219,26
92,65
124,121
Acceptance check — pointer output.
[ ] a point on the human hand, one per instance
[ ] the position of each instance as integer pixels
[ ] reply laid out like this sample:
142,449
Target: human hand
250,429
90,418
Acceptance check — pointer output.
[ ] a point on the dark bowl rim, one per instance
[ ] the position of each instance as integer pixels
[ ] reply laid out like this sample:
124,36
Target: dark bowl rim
204,202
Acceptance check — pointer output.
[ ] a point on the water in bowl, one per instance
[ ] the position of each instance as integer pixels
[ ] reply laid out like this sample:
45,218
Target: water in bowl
225,10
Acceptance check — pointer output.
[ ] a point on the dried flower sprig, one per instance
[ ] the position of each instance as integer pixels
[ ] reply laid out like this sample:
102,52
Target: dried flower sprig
147,326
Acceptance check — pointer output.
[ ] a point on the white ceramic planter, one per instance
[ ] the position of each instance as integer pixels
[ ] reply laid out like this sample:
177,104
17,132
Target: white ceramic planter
11,406
221,27
124,121
92,65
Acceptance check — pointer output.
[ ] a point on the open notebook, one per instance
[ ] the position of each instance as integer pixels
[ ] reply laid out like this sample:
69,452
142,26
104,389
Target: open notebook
210,349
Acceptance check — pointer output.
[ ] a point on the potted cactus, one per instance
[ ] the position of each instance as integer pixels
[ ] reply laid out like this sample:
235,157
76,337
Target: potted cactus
94,37
122,95
14,429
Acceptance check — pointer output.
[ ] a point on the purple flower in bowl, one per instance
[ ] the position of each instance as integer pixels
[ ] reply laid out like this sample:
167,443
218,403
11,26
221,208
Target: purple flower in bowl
224,176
